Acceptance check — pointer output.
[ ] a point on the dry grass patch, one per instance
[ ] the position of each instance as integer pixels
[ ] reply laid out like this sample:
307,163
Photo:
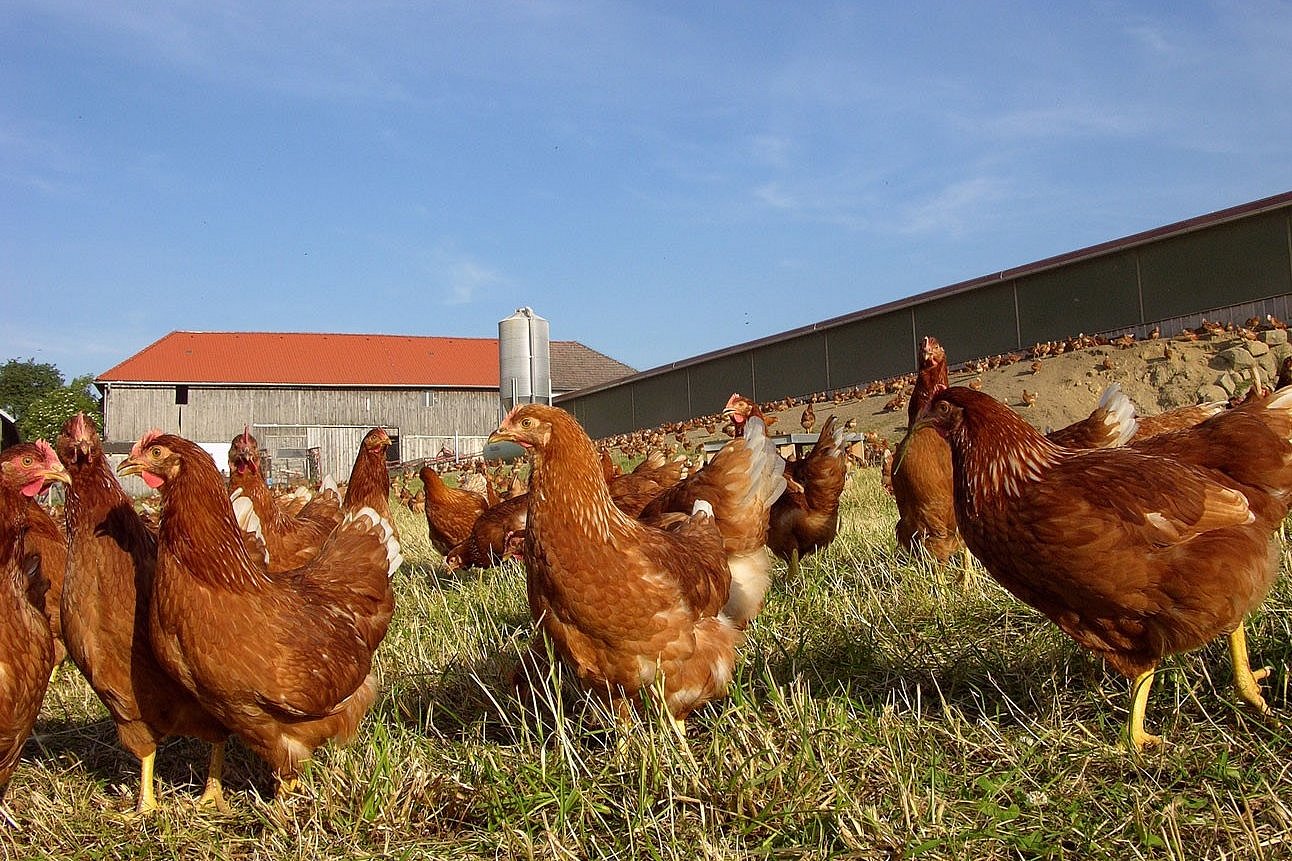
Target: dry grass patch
881,711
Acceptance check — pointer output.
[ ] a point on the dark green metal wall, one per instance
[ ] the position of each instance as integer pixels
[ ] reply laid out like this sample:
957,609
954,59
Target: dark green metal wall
1179,273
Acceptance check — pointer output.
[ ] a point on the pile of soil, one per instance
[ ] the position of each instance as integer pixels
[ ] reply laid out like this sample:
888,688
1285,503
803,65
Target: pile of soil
1157,375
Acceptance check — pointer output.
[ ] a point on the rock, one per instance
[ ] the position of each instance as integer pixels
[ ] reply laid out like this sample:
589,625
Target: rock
1228,382
1233,358
1257,348
1269,365
1210,394
1274,336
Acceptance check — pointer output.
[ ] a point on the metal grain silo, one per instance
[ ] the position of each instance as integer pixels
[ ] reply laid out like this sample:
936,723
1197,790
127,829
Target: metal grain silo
524,360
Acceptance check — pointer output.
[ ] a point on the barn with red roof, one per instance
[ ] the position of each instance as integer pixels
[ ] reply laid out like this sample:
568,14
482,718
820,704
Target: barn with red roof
308,398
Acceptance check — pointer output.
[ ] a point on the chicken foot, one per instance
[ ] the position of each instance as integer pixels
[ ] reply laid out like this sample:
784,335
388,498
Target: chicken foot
213,792
1135,733
1246,680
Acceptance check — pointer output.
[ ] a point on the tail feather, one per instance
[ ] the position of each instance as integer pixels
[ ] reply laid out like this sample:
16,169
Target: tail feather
329,485
1119,414
744,527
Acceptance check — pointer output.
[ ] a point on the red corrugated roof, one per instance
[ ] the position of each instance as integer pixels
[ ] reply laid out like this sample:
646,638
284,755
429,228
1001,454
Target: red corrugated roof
312,359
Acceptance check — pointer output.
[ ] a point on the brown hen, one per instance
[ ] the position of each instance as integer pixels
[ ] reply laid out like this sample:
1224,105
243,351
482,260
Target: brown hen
110,565
26,647
1173,420
1132,555
921,469
292,539
633,491
369,483
450,511
805,518
492,535
628,606
922,466
283,659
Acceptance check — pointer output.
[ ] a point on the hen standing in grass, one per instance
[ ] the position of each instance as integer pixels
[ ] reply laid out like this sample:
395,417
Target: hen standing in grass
111,560
290,539
450,511
1132,555
627,605
283,659
369,483
921,472
492,535
922,466
26,648
805,518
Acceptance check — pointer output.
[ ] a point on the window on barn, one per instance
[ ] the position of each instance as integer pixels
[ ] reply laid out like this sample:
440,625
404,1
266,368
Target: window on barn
392,453
181,395
428,399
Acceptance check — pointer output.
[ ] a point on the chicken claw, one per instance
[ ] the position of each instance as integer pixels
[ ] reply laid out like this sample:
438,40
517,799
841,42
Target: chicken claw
1246,680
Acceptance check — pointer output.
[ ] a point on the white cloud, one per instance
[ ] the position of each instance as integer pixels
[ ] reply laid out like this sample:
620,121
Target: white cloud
956,209
464,277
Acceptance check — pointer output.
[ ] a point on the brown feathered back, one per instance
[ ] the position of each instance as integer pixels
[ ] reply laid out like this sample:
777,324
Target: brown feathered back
1251,444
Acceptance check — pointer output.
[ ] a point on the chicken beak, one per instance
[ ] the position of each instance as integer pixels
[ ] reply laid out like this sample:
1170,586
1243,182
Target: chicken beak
58,473
129,467
499,435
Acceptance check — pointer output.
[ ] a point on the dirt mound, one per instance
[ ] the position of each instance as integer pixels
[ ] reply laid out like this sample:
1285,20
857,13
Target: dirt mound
1156,375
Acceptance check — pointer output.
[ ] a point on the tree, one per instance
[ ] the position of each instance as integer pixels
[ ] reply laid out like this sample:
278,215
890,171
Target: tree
22,383
44,418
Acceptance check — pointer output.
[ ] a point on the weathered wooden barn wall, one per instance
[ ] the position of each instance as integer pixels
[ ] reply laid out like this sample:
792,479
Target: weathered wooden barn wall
334,420
1231,265
219,412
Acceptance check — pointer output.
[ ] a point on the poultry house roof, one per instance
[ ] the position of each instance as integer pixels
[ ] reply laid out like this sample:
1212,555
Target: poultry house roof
330,359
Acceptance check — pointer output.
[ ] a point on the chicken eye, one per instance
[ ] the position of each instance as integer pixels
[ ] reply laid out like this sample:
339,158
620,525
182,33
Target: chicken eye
527,423
26,460
155,452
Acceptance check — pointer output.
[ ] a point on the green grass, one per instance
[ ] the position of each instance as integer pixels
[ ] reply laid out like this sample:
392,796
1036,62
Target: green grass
880,711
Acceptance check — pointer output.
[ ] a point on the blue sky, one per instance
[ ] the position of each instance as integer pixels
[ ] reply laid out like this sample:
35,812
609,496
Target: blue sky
656,179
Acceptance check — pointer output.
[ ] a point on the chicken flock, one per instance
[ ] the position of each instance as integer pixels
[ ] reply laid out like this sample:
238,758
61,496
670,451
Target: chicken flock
242,612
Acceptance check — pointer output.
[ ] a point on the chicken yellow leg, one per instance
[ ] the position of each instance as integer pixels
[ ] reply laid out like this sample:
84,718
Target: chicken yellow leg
147,796
1136,736
1246,680
213,792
